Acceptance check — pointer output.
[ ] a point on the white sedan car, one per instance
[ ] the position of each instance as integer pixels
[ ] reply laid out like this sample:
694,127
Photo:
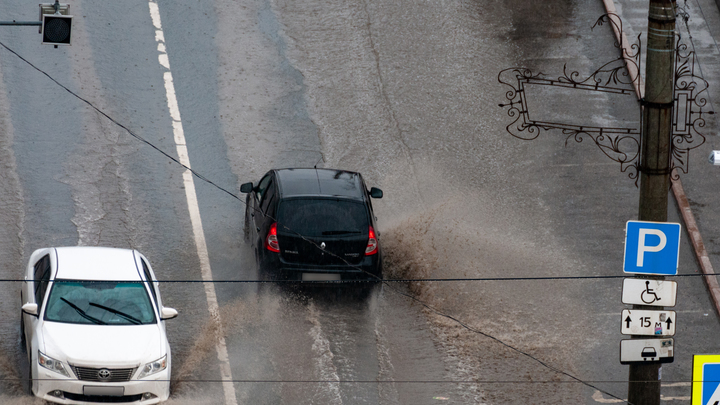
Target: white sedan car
93,327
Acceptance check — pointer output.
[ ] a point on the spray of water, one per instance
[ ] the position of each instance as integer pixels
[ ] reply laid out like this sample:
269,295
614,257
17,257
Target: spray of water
434,243
9,370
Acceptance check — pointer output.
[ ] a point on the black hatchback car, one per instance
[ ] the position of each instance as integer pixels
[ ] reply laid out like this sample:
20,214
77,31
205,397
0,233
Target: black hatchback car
312,225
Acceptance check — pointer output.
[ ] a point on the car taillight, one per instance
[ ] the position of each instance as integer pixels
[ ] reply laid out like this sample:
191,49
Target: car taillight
271,242
372,245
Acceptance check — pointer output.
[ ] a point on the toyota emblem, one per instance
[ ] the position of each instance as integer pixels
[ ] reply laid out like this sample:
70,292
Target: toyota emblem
104,374
322,245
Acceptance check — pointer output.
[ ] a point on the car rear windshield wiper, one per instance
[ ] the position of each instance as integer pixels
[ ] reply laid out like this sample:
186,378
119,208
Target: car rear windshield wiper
340,232
119,313
82,313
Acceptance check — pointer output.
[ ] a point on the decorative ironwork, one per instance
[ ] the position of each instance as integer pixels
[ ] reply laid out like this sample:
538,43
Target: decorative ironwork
621,144
688,116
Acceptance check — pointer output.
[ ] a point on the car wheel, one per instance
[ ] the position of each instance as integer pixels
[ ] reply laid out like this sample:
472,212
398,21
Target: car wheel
246,225
29,375
262,285
246,229
266,279
23,343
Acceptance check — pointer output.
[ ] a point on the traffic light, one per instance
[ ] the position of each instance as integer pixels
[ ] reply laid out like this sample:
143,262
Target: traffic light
56,29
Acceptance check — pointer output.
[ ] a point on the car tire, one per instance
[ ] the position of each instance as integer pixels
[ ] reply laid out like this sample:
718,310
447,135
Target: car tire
29,375
246,224
246,229
23,343
262,275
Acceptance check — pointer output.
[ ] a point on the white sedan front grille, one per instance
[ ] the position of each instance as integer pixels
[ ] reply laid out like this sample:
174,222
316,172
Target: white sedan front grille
103,374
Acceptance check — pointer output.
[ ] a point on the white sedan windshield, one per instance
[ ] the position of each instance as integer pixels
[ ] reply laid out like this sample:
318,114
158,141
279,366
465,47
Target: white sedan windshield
100,303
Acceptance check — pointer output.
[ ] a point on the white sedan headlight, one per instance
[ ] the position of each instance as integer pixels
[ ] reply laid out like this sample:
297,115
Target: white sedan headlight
52,364
154,367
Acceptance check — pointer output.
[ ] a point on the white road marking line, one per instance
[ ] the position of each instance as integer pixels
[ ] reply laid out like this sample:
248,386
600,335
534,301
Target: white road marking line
680,384
387,392
324,360
583,164
194,210
600,398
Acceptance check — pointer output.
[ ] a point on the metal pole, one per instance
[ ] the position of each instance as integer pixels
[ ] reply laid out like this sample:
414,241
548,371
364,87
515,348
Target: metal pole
13,22
656,140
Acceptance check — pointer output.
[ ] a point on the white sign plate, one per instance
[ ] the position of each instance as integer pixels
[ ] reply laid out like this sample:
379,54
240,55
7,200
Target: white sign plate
646,350
648,323
659,293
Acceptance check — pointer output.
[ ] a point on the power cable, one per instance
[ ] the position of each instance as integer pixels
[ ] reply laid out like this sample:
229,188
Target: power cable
390,287
273,381
394,280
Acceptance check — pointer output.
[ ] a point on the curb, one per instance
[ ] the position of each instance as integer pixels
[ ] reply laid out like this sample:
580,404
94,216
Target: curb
677,189
697,242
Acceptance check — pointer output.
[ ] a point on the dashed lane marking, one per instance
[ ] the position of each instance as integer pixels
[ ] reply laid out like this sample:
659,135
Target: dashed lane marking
193,208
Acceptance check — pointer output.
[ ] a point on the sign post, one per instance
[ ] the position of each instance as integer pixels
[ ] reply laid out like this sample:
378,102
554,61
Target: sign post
652,251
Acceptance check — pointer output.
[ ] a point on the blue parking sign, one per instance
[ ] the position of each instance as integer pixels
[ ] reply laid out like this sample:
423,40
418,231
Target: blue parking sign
652,248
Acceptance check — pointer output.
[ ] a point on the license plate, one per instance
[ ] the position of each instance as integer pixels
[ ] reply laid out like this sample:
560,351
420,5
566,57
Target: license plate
321,277
108,391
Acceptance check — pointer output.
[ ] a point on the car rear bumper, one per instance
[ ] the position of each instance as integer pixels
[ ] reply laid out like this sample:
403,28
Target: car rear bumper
323,276
369,269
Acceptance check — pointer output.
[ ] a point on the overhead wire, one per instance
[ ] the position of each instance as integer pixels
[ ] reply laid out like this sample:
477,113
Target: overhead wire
378,279
402,280
341,381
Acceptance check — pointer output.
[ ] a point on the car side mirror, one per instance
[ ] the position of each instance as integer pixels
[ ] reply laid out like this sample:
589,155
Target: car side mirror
30,309
168,313
246,188
376,192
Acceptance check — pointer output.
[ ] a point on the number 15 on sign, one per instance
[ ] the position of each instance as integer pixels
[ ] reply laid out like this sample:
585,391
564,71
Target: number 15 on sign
648,323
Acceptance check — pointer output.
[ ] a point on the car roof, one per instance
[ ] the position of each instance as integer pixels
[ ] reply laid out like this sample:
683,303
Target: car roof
320,182
96,263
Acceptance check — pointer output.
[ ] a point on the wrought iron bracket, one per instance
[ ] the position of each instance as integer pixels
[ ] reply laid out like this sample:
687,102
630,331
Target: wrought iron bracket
621,144
690,102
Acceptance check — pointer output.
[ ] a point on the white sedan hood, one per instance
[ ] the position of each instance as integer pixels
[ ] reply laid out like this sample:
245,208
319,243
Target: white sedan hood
104,345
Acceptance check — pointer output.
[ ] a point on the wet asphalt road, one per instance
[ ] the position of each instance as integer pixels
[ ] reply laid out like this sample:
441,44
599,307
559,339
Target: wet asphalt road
404,92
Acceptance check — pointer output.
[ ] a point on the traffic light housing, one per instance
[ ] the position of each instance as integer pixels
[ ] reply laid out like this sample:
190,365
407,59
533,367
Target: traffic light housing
56,29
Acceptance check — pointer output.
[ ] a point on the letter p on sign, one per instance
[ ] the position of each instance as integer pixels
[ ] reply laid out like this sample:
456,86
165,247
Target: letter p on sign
652,248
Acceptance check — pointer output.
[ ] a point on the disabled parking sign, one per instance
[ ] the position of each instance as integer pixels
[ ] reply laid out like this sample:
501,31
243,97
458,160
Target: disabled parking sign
706,380
652,248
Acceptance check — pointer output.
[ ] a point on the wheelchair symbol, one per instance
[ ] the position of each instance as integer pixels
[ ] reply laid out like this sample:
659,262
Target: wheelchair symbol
648,296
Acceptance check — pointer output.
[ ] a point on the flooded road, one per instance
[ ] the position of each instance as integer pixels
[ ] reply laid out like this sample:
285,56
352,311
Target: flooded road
405,93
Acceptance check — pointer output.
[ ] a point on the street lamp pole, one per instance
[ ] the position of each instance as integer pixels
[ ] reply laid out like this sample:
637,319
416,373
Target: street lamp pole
655,157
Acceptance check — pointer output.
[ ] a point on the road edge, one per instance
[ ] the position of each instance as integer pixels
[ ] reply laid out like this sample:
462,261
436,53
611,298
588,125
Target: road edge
697,242
678,191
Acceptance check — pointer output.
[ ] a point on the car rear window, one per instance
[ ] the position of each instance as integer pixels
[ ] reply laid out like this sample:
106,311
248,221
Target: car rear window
322,217
100,303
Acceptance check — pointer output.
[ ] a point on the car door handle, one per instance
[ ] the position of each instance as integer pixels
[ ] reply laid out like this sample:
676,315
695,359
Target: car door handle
257,229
